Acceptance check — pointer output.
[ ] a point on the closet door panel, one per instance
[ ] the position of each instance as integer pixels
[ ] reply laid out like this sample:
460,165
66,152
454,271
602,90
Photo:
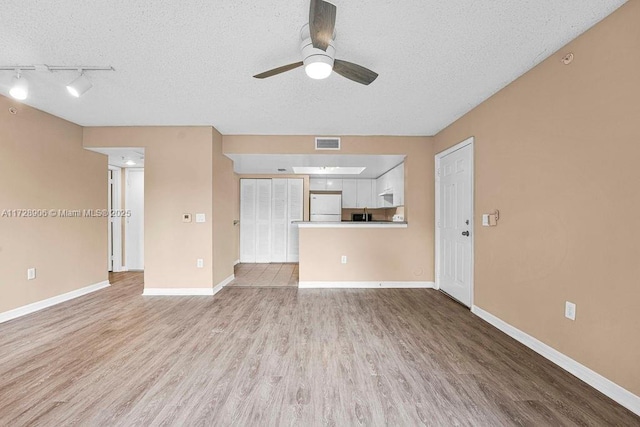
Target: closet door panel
248,220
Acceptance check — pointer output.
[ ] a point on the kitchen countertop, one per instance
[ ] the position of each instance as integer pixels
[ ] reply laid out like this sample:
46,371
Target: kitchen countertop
351,224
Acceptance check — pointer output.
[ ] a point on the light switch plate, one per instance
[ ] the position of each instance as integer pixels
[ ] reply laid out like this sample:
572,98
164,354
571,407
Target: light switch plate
200,217
200,263
344,259
31,273
570,310
485,220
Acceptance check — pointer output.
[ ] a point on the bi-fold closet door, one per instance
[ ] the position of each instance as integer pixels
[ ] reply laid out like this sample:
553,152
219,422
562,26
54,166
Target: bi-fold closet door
267,209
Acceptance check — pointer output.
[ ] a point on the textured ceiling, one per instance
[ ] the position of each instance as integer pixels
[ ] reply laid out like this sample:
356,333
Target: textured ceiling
191,62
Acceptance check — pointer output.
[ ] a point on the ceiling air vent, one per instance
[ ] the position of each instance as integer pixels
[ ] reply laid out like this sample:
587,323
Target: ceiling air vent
324,143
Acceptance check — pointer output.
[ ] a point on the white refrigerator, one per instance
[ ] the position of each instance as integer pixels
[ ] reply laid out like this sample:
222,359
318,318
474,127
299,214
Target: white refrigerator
326,207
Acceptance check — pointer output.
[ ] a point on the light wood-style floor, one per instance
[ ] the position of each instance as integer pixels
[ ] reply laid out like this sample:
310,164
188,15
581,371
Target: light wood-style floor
252,356
274,275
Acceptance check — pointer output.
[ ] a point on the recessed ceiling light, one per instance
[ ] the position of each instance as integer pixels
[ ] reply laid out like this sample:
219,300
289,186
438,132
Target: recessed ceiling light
130,163
328,170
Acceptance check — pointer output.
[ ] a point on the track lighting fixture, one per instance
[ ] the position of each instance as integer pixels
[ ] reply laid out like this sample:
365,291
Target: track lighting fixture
20,87
79,86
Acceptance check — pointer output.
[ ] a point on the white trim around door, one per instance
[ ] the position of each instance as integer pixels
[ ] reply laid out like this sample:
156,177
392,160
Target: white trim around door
438,249
116,222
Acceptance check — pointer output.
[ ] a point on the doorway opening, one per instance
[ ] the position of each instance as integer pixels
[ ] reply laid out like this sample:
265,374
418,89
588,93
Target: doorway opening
125,203
454,178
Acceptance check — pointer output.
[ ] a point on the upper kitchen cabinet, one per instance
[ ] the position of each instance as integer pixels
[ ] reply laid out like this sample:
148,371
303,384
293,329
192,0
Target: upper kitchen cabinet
349,193
318,184
398,185
334,184
390,188
359,193
363,195
325,184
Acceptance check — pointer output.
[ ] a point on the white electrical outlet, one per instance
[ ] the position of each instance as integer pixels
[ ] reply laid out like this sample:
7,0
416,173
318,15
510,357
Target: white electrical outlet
31,273
200,263
344,259
570,310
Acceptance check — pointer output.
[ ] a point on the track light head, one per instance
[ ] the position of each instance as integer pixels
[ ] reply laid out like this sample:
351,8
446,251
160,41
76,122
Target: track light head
79,86
20,87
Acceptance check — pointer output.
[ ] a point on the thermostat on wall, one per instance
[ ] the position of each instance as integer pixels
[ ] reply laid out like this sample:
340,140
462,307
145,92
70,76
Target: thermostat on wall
186,217
490,220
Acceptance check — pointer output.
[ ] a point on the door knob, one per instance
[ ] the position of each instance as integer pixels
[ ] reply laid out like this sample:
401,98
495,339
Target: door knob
465,233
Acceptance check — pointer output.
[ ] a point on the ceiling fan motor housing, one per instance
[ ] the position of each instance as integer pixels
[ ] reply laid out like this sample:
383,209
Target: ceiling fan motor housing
312,55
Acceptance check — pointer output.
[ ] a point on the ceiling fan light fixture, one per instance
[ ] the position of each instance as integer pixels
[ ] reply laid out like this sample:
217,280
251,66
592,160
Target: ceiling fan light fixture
20,87
79,86
318,67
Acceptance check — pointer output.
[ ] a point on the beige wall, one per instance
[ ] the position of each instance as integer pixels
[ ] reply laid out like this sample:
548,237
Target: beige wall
392,254
557,152
178,179
226,195
43,166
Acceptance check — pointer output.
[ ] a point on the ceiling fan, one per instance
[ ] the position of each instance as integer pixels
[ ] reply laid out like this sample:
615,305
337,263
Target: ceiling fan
318,50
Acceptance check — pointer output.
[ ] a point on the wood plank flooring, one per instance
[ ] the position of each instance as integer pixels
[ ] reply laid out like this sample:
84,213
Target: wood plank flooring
274,275
269,357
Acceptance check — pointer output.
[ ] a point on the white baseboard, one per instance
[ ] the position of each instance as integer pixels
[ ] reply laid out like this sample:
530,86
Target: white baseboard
237,262
37,306
225,282
621,395
188,291
366,285
177,291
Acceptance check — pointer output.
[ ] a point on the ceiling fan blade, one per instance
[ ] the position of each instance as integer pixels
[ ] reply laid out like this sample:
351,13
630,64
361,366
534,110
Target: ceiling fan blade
322,22
278,70
354,72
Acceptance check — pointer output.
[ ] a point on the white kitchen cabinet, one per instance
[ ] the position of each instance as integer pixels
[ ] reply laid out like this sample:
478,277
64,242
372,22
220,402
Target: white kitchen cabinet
398,186
349,193
391,184
383,186
363,194
359,193
318,184
334,184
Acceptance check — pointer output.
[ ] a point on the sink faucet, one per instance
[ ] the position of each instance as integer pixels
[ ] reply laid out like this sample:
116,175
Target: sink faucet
366,217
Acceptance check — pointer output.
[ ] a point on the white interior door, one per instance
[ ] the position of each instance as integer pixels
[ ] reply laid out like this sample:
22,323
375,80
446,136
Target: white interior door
134,234
279,215
248,220
263,220
454,209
